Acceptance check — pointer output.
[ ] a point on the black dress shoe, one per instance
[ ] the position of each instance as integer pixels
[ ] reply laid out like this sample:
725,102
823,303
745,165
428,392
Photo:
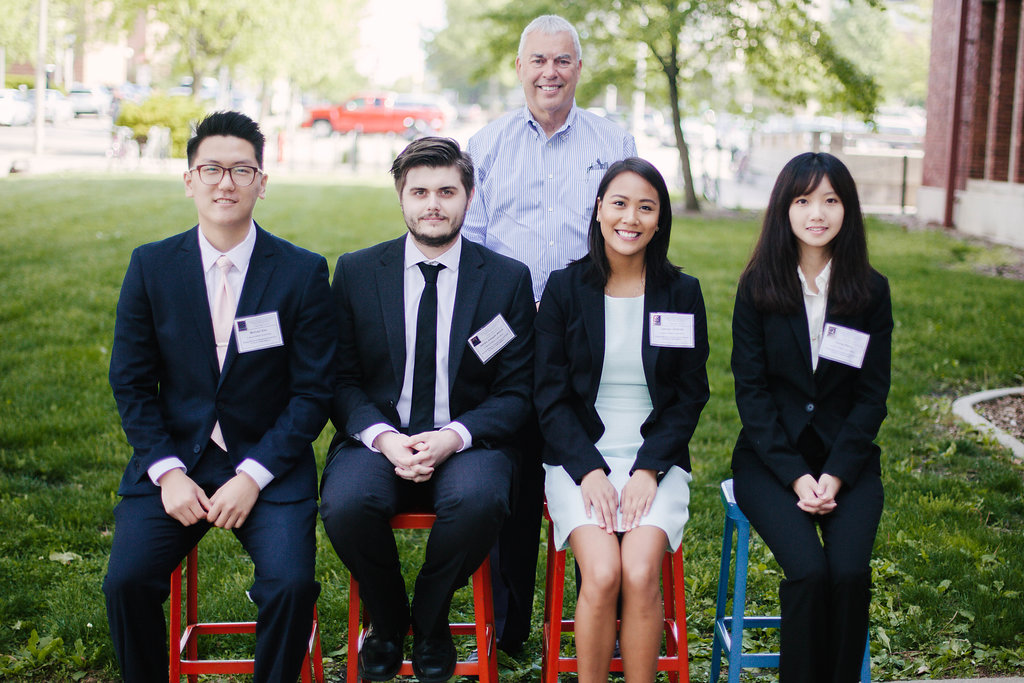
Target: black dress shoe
433,659
380,656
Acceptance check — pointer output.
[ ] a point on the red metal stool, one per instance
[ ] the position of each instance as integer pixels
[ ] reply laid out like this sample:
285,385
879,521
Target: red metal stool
184,646
676,660
486,666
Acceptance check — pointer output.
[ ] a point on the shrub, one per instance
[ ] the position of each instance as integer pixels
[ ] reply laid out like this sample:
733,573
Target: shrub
176,113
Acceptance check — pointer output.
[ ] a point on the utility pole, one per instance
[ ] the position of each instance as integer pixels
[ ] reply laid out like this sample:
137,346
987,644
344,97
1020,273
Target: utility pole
41,78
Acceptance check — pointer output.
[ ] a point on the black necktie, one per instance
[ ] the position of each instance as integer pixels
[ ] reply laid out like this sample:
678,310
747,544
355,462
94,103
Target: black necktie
421,413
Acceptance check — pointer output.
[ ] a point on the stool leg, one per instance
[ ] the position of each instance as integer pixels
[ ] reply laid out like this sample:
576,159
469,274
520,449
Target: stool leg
723,593
739,599
556,593
483,616
192,604
352,667
865,668
175,626
680,647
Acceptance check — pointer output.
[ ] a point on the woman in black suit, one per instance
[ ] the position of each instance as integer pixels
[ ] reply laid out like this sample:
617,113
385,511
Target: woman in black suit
620,377
812,331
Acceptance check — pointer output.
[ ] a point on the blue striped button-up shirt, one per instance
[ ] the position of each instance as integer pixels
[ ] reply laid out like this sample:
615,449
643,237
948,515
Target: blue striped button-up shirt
534,195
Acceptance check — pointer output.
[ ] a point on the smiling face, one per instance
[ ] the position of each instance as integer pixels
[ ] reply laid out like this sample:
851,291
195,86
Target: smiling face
225,209
549,70
816,218
434,204
628,213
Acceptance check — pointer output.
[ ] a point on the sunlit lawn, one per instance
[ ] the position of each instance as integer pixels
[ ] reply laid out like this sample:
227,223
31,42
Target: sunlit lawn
948,559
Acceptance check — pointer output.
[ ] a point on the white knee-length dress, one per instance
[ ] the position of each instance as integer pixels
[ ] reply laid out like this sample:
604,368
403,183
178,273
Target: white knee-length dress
623,403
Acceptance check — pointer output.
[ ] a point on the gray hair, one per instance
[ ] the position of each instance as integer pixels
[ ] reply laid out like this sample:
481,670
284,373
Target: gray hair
551,24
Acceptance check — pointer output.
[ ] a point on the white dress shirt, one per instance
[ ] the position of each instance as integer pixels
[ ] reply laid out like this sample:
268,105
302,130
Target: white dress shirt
239,257
814,304
447,283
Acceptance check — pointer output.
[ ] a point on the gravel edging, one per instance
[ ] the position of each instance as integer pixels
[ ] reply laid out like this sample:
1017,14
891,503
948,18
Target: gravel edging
964,409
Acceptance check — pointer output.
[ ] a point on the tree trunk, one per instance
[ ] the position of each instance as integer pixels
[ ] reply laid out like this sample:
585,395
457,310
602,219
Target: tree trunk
671,69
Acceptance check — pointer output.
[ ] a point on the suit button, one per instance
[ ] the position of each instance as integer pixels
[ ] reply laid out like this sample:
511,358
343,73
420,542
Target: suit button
196,449
809,407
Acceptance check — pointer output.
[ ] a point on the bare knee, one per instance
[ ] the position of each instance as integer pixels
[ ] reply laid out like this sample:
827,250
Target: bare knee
641,579
602,581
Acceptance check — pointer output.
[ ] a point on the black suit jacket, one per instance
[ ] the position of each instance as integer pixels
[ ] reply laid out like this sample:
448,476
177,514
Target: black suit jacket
492,400
778,394
570,333
271,403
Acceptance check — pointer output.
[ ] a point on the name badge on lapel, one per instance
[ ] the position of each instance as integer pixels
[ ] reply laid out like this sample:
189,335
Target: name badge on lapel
673,330
256,332
491,338
843,345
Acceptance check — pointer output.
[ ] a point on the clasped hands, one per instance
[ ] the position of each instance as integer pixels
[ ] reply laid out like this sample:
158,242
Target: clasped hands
228,507
817,496
601,500
417,455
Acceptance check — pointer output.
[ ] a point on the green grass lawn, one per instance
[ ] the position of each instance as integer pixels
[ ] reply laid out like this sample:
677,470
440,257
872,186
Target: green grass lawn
950,551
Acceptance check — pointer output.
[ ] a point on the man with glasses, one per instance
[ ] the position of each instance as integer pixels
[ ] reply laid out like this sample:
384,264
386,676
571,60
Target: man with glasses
221,369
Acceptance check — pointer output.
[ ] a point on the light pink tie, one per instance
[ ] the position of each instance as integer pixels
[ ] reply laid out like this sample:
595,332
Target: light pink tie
223,319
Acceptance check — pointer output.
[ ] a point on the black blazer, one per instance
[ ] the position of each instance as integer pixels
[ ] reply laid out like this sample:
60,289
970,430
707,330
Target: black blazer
491,400
271,403
570,332
779,396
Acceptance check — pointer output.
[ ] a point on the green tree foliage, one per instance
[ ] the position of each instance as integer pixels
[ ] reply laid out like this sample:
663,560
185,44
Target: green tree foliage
700,47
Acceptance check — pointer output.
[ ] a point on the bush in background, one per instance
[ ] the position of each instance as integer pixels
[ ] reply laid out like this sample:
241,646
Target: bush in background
178,114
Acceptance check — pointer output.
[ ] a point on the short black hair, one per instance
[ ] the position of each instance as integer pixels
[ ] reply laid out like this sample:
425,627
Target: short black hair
434,152
229,123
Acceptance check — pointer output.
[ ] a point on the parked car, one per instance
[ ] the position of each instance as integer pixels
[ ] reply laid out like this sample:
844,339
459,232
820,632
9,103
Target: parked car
374,113
15,109
58,107
90,100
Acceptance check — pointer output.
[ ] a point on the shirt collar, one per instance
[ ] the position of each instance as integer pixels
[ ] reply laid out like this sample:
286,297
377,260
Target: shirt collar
449,259
239,255
570,120
821,281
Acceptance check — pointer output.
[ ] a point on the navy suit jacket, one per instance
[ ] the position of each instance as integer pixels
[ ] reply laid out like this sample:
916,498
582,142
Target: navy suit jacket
779,395
271,403
492,400
570,333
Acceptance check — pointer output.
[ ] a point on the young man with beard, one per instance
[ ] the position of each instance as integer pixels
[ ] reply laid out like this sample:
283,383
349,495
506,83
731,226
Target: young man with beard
435,353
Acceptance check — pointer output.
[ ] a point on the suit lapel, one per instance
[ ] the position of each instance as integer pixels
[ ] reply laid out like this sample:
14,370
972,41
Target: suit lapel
592,305
193,281
655,299
391,289
257,277
802,337
467,296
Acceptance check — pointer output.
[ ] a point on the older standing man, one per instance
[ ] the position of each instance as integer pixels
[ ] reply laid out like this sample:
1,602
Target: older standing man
537,172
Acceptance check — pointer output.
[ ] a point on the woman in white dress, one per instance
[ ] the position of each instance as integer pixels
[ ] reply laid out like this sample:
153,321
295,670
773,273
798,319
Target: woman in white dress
620,384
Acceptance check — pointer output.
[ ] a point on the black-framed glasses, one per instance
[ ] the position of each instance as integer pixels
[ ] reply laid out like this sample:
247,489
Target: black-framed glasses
212,174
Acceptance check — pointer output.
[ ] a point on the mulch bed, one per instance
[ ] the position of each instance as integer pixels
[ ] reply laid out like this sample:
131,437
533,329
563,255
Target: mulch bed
1006,412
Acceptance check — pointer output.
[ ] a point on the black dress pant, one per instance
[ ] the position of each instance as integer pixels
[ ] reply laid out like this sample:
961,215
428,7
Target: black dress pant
148,544
360,493
826,591
514,556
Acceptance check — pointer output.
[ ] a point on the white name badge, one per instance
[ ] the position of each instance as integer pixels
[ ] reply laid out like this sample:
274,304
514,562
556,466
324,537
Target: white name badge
674,330
491,338
256,332
843,345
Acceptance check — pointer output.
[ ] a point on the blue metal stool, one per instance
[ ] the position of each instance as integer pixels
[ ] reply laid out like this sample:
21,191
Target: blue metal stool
729,630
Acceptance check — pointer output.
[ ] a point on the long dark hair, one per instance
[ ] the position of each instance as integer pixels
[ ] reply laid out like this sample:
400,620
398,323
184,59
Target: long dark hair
658,268
770,278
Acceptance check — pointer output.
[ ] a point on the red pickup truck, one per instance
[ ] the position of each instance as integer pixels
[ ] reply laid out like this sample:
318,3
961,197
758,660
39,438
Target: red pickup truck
376,113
